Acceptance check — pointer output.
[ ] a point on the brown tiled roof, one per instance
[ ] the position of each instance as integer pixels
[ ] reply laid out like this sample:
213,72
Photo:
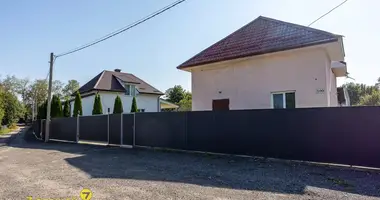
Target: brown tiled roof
262,35
108,81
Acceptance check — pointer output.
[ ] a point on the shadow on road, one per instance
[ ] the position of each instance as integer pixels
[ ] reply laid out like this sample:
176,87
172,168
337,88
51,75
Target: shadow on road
209,170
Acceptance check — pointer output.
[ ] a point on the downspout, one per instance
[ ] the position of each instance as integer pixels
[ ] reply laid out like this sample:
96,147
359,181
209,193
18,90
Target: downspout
158,104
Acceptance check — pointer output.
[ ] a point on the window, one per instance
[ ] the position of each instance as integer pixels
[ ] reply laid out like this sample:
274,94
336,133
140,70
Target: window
140,110
284,100
130,90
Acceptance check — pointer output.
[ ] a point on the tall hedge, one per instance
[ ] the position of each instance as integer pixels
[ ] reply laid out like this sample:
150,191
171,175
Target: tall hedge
42,109
77,105
66,109
56,107
134,105
118,106
97,108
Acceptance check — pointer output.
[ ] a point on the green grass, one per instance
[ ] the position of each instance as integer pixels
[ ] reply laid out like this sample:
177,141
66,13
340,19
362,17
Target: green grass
5,131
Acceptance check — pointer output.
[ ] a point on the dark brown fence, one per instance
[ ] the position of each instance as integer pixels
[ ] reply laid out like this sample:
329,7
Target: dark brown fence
64,129
94,128
115,129
349,135
166,129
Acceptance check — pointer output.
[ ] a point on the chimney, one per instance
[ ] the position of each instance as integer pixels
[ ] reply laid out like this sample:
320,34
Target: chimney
117,70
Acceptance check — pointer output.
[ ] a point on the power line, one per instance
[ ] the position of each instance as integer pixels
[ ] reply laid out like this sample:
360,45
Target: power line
328,12
122,29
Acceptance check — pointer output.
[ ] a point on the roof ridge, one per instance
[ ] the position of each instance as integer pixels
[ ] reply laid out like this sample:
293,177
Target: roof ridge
100,77
297,25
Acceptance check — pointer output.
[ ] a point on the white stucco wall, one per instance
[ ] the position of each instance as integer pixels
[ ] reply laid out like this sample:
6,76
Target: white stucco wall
249,83
149,102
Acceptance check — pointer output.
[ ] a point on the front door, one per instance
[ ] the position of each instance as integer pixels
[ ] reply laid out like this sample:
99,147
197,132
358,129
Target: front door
221,104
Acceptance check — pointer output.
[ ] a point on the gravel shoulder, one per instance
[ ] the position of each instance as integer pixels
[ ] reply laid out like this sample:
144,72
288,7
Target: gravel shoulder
59,170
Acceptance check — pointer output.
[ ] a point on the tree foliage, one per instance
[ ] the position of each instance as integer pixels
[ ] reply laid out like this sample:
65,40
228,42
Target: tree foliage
66,109
13,109
356,91
2,106
42,109
134,106
370,99
97,108
175,94
57,87
118,106
71,87
56,107
185,103
77,111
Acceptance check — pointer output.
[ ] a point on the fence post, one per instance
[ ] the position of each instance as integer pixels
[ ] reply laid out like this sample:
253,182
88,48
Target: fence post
186,117
40,129
77,128
134,129
108,129
121,129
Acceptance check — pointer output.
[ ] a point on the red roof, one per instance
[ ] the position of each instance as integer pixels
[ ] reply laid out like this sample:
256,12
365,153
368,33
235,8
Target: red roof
262,35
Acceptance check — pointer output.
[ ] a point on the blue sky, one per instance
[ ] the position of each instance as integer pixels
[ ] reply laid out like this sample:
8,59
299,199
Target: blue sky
30,30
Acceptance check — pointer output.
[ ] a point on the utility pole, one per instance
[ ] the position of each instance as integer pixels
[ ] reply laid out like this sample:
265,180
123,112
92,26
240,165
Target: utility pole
47,127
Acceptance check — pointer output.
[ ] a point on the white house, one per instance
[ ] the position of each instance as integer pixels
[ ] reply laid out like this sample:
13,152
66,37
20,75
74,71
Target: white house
109,84
268,63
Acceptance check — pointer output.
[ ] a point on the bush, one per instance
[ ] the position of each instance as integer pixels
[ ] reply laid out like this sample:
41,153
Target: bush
13,109
66,109
134,105
97,109
42,109
118,106
12,126
77,105
2,112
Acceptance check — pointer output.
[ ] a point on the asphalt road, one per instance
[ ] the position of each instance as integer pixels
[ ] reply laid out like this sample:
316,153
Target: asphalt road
56,170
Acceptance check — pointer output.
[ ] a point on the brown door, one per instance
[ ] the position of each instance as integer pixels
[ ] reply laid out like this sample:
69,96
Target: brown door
221,104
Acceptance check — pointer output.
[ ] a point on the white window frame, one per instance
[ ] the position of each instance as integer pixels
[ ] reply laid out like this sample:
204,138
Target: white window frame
132,90
283,97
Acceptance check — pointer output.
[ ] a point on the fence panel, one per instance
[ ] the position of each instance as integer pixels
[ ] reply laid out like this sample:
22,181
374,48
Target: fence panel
64,129
336,135
166,129
43,128
128,123
93,128
115,129
37,128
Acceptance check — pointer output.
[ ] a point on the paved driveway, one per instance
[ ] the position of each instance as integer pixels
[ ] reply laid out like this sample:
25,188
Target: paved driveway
57,170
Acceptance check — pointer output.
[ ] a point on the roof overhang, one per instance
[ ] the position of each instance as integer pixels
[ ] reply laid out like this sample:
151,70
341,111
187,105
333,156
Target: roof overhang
339,68
167,105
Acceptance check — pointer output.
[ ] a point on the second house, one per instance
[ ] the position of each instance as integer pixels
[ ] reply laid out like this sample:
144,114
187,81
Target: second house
109,84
